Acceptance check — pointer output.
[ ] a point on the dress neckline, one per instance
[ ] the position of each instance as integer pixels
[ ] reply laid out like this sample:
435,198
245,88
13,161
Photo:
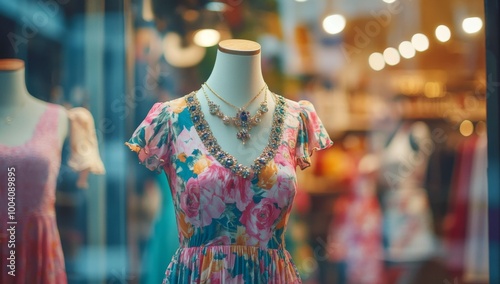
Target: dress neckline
33,133
224,158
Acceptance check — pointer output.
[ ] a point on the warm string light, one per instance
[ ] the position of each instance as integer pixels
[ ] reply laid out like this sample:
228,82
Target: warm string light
391,56
443,33
407,50
466,128
376,61
419,42
206,37
472,25
334,24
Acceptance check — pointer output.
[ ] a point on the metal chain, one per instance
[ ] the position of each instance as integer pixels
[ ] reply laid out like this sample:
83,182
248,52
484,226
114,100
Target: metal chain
230,104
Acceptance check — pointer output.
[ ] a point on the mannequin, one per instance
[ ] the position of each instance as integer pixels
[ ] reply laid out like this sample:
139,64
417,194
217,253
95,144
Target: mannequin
15,100
408,230
232,200
32,133
237,77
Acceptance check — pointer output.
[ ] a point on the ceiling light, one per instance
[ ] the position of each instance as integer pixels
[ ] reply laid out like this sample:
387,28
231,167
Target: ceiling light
420,42
406,49
334,24
391,56
376,61
466,128
177,54
443,33
147,11
472,25
206,37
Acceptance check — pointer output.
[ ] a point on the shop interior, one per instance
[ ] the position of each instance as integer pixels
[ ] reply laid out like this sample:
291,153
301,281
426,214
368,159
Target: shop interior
400,86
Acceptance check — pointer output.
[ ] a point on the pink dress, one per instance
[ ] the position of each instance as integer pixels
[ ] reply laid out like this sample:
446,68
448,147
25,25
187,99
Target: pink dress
231,217
35,164
33,239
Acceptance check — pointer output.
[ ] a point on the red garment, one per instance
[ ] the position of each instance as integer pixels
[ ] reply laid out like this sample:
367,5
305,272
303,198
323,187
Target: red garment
455,227
38,253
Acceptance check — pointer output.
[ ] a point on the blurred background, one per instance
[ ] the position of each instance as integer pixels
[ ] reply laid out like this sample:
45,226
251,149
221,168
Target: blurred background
399,84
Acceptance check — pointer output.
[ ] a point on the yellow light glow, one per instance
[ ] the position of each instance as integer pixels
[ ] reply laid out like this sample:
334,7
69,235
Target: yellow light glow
376,61
466,128
433,89
420,42
391,56
406,49
334,24
443,33
206,37
472,25
179,55
389,1
147,11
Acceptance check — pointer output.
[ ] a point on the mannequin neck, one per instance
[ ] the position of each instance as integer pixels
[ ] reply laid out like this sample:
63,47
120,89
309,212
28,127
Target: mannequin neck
237,78
13,87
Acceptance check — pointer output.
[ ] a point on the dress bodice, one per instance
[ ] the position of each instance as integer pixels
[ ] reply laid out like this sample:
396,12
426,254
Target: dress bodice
35,166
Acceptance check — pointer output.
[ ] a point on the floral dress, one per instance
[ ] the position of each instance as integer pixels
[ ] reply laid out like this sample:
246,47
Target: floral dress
231,218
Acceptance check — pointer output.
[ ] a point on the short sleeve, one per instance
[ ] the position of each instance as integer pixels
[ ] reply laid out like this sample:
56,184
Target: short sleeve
84,156
151,138
312,135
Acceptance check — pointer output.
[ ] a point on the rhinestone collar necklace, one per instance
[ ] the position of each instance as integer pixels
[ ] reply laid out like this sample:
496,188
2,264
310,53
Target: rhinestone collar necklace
224,158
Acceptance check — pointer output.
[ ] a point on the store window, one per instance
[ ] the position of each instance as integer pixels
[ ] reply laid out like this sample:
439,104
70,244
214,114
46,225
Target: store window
400,87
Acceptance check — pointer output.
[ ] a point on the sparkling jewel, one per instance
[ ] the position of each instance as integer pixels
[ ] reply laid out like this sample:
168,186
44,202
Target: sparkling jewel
243,135
229,161
243,120
213,109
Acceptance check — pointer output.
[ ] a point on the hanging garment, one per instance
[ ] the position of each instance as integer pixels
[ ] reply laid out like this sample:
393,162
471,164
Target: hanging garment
407,220
456,221
476,262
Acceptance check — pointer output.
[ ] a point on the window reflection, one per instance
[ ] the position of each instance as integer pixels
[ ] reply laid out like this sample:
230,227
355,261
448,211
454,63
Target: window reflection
400,86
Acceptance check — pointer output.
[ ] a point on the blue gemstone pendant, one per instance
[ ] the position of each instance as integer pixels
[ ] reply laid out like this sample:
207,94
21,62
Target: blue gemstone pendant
243,115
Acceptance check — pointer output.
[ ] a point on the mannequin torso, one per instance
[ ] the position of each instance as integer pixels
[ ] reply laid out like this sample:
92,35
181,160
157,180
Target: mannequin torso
19,111
31,139
237,78
406,157
407,217
232,199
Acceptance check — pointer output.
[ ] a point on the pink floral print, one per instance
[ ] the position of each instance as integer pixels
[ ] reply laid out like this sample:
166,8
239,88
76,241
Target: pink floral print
231,228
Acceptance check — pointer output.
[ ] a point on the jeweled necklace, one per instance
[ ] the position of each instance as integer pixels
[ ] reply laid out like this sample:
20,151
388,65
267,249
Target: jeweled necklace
243,121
